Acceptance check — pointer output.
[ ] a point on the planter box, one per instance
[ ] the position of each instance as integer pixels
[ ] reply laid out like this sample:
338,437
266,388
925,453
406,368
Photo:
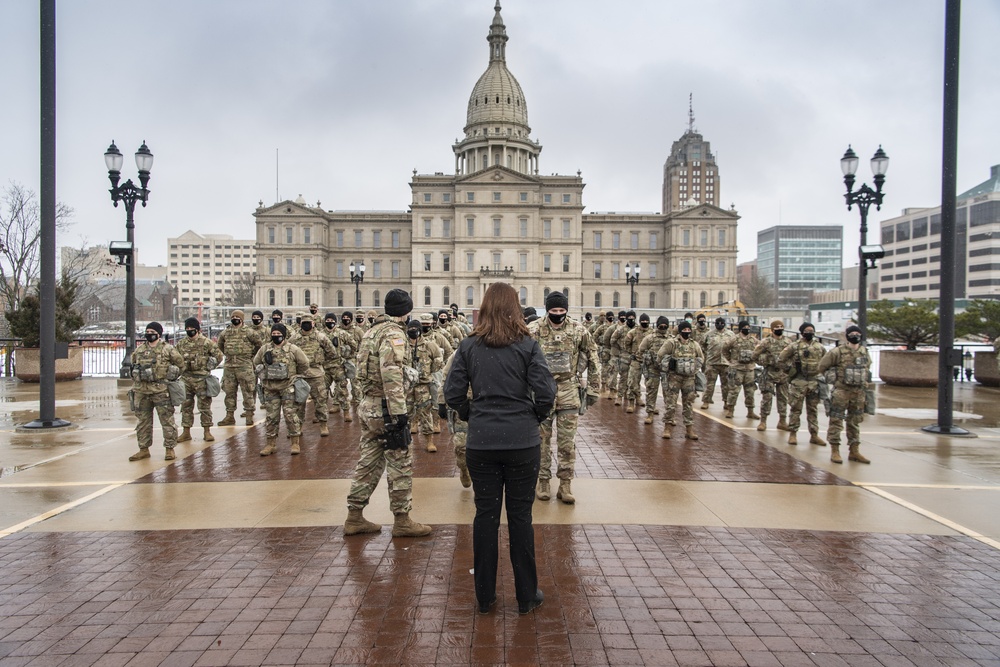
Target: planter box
909,368
986,370
28,365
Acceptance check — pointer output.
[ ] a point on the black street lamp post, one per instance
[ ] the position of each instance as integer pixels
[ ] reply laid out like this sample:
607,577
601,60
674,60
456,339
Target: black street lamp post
632,278
864,197
357,277
128,193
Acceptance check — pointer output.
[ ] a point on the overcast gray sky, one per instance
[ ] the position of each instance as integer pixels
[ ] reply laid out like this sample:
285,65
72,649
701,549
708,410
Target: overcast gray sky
356,94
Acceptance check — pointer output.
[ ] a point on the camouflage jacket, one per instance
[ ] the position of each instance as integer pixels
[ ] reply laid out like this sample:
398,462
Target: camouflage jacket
680,350
569,351
851,366
649,349
357,333
700,335
803,359
201,355
738,351
380,364
445,333
442,342
263,331
425,357
153,366
633,341
239,344
767,354
617,340
714,342
598,333
291,355
318,350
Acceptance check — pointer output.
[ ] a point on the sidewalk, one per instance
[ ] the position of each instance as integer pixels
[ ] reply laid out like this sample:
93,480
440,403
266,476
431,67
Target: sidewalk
736,549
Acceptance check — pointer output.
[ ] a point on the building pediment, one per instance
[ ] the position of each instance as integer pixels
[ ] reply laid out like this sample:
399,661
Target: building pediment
496,174
287,207
701,212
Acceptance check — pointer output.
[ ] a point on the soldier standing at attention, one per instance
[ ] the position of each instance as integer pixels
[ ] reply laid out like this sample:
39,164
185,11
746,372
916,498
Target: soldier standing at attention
459,429
624,360
276,318
201,355
739,352
597,334
258,327
238,343
568,350
651,344
700,331
681,358
851,363
423,356
318,349
333,368
630,347
277,364
314,311
774,379
354,327
385,429
611,375
153,364
717,366
802,359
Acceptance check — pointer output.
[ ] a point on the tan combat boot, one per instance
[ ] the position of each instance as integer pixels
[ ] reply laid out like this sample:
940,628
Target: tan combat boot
835,454
357,524
642,402
648,419
630,406
270,448
347,416
666,431
762,426
705,404
782,424
564,493
729,413
324,429
542,490
185,434
814,439
437,426
249,421
463,475
618,400
855,455
752,415
431,447
169,456
689,433
229,420
407,527
295,444
334,409
208,435
143,453
413,428
792,438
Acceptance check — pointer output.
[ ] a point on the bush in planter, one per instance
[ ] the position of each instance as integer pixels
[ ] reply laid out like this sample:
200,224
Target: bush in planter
25,322
912,324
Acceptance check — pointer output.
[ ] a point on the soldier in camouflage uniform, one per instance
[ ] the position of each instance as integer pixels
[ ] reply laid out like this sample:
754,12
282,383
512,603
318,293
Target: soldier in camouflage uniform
569,352
738,351
385,437
630,347
424,357
604,353
680,358
153,364
716,364
238,343
700,331
648,349
201,355
277,317
333,368
612,373
258,327
802,359
624,357
277,364
774,378
851,364
356,329
442,341
442,329
459,430
319,351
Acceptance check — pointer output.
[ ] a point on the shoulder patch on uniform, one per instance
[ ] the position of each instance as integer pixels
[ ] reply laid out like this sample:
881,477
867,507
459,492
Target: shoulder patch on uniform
398,341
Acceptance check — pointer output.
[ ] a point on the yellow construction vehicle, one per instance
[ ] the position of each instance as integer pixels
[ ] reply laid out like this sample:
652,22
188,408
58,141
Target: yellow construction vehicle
734,312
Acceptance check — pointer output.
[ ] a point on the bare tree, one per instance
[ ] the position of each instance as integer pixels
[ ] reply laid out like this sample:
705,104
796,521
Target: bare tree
756,292
242,293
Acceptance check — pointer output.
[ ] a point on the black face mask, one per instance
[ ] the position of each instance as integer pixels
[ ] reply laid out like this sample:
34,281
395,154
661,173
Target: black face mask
256,320
644,324
557,319
346,322
236,321
443,322
313,312
191,332
685,334
371,320
277,339
152,337
630,323
276,319
720,325
854,338
307,326
808,335
610,319
745,331
662,329
360,320
702,324
621,320
413,333
777,332
330,324
425,328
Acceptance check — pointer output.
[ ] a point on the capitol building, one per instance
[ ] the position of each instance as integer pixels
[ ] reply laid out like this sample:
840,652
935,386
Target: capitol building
496,218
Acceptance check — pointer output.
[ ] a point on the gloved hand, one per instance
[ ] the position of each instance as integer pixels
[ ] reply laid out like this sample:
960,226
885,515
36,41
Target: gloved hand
542,412
463,411
397,435
442,411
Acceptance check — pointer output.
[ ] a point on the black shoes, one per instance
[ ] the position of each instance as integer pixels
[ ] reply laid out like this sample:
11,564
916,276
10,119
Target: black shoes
485,608
531,605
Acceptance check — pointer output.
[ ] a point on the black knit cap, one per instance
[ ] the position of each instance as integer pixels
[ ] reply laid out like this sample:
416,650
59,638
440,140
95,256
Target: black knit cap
744,323
644,317
277,312
720,320
192,323
398,303
556,299
662,319
630,313
330,316
684,324
348,314
443,311
258,314
279,327
529,311
155,326
854,328
802,327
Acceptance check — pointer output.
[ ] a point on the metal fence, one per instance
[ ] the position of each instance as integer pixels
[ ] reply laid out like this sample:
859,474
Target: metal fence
102,357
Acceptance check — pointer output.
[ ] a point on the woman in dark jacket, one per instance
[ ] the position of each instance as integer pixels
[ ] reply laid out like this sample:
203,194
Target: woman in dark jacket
512,391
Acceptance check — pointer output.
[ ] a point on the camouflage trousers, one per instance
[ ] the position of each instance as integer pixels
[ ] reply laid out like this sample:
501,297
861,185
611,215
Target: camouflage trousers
634,381
277,403
773,389
685,386
319,393
145,404
337,381
847,404
375,459
801,390
741,379
564,422
242,378
720,371
418,408
623,365
195,389
610,374
652,389
459,430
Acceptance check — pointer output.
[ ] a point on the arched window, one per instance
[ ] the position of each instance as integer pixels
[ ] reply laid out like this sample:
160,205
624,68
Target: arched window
703,300
469,294
597,299
545,293
524,296
376,299
566,292
722,297
307,297
340,298
270,297
289,299
427,296
616,300
685,299
446,296
652,299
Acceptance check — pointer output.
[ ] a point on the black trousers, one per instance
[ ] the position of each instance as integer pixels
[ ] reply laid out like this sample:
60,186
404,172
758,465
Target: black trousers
499,474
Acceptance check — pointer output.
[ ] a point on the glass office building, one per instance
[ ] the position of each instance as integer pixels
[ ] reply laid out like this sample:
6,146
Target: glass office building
800,259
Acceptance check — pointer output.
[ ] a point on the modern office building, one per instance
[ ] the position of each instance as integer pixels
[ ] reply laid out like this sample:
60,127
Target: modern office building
800,259
912,242
497,218
204,267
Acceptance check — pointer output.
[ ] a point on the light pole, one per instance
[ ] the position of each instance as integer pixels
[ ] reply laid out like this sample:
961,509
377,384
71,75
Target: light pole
632,278
129,194
357,277
864,197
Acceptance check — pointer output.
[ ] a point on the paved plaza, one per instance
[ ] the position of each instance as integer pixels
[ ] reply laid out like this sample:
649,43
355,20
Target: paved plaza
737,549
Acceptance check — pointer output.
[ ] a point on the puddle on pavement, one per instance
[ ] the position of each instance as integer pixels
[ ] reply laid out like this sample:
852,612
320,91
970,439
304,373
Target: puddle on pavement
922,414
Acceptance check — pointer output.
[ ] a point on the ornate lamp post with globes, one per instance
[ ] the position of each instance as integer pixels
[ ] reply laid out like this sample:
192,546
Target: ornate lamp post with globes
357,277
864,197
632,278
128,193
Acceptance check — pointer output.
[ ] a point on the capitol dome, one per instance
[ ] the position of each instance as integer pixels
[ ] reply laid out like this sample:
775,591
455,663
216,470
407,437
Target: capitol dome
497,96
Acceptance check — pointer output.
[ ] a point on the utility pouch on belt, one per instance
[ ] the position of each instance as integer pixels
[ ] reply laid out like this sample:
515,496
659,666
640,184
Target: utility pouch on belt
870,401
559,361
686,367
301,390
212,386
176,391
854,376
132,402
278,371
173,372
672,365
143,373
395,436
582,392
700,382
745,356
